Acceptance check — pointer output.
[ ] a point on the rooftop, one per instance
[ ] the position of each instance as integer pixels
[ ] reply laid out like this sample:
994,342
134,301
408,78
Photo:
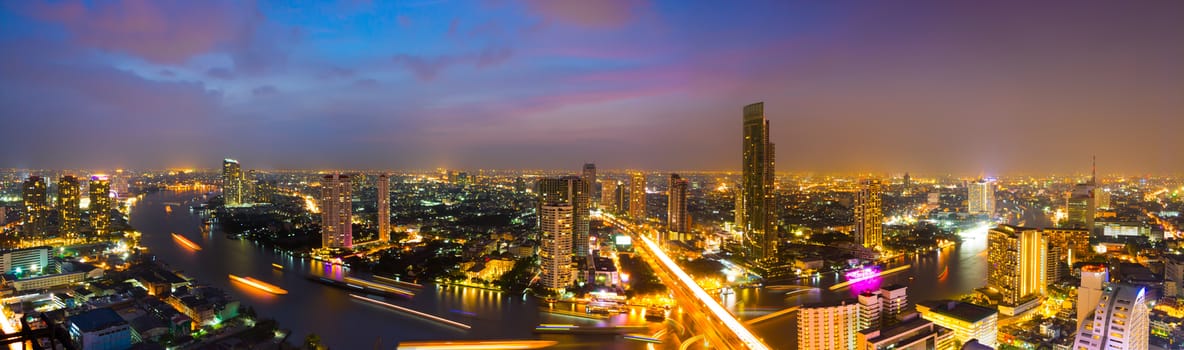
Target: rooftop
97,319
963,311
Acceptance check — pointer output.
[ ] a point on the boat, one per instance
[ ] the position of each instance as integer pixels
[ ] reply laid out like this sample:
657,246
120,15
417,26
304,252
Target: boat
185,242
277,267
260,285
655,314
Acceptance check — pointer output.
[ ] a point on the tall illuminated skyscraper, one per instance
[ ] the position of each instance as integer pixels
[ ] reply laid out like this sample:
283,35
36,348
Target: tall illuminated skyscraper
609,199
1094,279
1079,205
637,197
69,201
1119,320
1017,267
589,178
869,214
570,190
337,212
36,205
757,186
120,183
555,253
384,207
981,197
232,182
100,204
828,326
678,223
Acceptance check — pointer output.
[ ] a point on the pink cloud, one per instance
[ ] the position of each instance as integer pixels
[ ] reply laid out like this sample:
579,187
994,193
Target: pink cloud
158,31
599,13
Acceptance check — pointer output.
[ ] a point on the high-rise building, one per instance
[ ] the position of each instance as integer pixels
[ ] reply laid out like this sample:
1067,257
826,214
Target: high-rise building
555,254
1052,263
589,177
609,197
232,182
1102,198
36,205
384,208
914,333
1017,267
250,187
1120,319
869,214
1079,205
828,326
337,212
894,302
981,197
1071,244
100,204
759,225
637,209
120,183
678,223
908,185
968,321
570,190
69,204
1094,279
1173,276
870,308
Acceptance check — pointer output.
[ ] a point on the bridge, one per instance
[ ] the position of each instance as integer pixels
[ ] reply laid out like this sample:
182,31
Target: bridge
719,327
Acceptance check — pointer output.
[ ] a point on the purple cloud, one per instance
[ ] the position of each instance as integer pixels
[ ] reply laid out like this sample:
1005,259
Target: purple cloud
220,73
598,14
265,90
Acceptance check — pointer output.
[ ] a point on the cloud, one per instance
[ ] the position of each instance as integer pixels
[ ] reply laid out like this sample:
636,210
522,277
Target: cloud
428,68
157,31
597,14
403,21
265,90
220,73
366,83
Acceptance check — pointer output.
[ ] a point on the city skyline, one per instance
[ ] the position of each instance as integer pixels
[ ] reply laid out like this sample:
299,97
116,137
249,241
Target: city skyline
871,88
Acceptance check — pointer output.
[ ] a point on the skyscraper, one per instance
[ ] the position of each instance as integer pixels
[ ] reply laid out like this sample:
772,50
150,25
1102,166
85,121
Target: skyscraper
869,214
569,190
36,205
120,183
609,199
589,177
1079,205
69,199
870,307
1118,320
757,187
1102,198
100,204
907,188
1016,267
677,220
555,254
894,302
336,212
980,196
828,326
232,182
1094,279
384,208
637,197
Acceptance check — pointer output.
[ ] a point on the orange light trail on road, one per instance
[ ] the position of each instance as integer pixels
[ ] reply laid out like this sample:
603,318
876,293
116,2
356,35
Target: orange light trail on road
477,344
260,285
185,242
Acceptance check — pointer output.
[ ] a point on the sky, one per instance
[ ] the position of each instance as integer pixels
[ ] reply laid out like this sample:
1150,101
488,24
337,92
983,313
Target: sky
984,87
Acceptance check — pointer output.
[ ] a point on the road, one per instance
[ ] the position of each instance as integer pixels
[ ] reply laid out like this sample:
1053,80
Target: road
718,326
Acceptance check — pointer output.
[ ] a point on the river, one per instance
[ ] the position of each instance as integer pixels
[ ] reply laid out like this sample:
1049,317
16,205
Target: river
343,322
